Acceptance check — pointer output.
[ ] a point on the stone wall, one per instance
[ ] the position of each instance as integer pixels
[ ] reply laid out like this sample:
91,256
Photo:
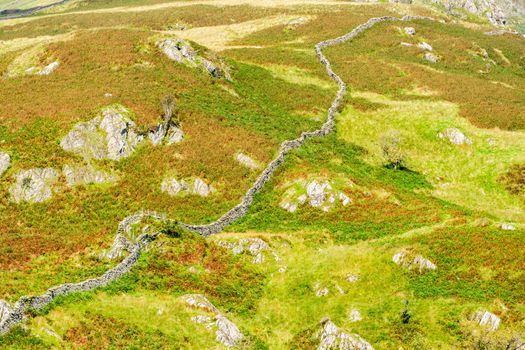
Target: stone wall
38,302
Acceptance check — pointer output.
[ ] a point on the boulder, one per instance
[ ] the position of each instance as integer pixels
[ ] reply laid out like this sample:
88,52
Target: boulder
486,319
110,135
354,316
5,310
431,57
320,291
318,194
424,46
411,262
454,136
159,134
83,175
247,162
226,332
255,247
33,185
507,227
410,31
5,162
50,68
332,337
195,186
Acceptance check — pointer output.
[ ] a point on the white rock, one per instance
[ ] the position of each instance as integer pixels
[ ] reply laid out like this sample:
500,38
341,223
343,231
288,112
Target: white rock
82,175
108,94
121,244
259,259
355,315
172,186
288,206
282,269
201,188
486,319
175,135
410,31
320,291
202,319
198,187
507,227
455,136
332,338
403,43
404,259
246,161
352,278
5,162
50,68
33,185
429,56
227,332
199,301
424,46
5,310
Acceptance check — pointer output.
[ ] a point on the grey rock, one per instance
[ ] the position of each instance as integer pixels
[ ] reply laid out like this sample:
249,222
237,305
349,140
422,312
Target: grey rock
410,262
247,161
83,175
121,245
196,186
424,46
110,135
5,162
354,316
486,319
410,30
507,227
199,301
175,135
352,278
431,57
33,185
455,136
50,68
227,332
319,194
5,310
332,337
320,291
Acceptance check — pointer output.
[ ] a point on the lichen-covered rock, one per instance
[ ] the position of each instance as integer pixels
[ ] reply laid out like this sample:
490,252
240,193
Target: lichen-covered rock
175,135
5,310
454,136
83,175
318,194
332,337
159,134
33,185
181,51
110,135
429,56
226,332
195,186
486,319
5,162
247,161
411,262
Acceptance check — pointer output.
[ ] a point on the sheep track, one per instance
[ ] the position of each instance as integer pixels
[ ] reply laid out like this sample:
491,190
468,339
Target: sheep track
25,303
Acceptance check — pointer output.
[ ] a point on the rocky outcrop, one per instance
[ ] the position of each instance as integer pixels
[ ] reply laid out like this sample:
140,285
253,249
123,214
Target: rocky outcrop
247,161
332,337
110,135
195,186
486,319
33,185
256,247
411,262
181,51
5,162
317,193
227,332
87,174
454,136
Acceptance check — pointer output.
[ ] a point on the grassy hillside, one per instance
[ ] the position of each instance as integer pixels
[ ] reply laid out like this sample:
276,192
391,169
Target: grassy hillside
446,202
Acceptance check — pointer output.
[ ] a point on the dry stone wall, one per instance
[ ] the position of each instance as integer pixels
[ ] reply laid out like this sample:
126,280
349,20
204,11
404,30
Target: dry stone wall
25,303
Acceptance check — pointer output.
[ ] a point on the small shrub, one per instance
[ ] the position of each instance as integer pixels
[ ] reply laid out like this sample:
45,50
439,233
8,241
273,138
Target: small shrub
514,179
392,152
